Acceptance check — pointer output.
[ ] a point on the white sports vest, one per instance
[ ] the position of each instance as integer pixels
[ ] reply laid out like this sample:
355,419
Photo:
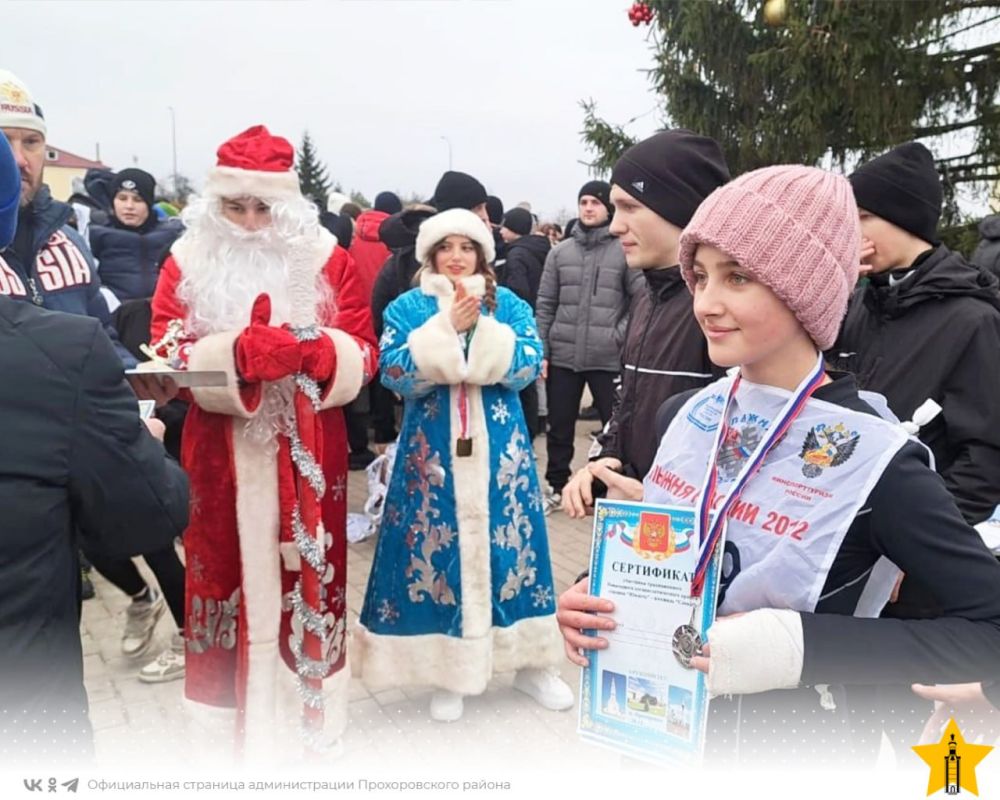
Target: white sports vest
784,533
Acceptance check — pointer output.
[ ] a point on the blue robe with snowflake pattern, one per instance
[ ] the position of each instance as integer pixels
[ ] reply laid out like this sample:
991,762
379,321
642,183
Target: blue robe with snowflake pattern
461,584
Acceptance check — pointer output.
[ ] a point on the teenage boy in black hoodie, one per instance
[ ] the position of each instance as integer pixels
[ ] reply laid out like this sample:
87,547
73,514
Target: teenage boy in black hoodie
926,325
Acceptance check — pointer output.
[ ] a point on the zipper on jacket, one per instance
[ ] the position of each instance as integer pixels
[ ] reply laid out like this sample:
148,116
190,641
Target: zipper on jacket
36,298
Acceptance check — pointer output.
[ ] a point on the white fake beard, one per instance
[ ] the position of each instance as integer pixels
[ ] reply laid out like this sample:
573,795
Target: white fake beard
225,268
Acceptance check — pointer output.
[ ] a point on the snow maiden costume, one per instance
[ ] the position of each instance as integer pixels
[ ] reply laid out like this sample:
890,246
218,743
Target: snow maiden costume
839,505
461,584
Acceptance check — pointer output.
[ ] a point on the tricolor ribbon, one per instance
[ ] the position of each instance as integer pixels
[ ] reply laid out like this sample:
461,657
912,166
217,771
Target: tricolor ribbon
704,522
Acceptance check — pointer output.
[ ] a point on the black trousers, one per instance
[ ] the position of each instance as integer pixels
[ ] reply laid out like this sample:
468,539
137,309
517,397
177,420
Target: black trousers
383,412
166,566
565,388
529,405
356,421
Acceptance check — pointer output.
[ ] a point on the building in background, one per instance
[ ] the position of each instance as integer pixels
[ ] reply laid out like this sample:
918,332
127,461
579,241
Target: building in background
61,167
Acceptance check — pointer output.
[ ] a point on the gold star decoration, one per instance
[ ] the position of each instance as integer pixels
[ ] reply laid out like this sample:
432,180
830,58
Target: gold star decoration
964,758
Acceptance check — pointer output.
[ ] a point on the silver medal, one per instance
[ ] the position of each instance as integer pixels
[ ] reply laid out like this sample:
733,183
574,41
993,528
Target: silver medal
687,643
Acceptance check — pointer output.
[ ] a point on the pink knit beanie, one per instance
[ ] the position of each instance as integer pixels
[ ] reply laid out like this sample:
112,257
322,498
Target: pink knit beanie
794,229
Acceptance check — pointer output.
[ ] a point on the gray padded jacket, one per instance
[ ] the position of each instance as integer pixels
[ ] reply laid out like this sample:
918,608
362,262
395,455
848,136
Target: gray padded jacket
583,301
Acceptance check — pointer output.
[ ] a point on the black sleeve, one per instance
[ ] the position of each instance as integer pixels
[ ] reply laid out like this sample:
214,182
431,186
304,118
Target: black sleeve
383,292
972,419
128,495
915,523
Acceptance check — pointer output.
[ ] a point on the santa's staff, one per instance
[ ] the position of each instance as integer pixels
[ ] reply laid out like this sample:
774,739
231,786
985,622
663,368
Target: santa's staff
305,442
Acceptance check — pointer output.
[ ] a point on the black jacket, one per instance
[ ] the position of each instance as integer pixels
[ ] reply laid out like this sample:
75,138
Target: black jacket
665,353
910,518
399,234
75,460
520,267
934,332
987,253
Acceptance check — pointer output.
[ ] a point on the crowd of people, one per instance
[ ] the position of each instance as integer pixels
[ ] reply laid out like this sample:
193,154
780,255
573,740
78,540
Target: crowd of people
706,315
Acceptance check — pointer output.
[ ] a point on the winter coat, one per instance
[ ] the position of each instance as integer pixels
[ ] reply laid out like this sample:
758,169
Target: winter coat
461,583
368,251
129,259
399,234
50,264
583,301
521,264
908,517
935,334
987,254
75,460
665,353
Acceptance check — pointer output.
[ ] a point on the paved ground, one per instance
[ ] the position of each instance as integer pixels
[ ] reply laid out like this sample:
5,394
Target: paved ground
139,723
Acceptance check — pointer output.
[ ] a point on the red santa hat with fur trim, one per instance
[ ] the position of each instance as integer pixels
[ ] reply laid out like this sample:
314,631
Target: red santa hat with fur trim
254,164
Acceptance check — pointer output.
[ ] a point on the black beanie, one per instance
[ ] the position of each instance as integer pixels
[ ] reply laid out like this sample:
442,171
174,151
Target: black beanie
672,172
138,181
600,190
518,220
388,202
494,209
902,187
458,190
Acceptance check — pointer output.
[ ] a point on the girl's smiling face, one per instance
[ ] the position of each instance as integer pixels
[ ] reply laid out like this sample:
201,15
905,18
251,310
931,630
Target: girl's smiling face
745,323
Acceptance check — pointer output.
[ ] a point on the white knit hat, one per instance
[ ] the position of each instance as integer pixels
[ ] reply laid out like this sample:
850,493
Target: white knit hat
17,107
454,222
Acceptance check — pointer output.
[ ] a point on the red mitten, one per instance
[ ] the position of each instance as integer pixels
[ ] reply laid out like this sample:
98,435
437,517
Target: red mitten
263,352
319,358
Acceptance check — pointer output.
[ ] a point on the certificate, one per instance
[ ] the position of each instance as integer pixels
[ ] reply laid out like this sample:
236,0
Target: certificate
635,695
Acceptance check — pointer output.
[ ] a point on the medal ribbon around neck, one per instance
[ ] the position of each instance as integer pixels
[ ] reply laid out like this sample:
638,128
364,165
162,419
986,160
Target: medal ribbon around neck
707,530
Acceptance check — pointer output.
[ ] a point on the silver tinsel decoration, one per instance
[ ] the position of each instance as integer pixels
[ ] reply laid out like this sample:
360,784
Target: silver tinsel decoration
308,547
312,620
310,389
306,464
306,333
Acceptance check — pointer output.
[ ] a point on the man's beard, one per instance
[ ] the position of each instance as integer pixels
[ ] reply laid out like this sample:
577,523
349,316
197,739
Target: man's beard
224,267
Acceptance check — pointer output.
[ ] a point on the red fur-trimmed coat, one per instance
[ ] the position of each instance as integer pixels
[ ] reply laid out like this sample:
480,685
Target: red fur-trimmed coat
237,632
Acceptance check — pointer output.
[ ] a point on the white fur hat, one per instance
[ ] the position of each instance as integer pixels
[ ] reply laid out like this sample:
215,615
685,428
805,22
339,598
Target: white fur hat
454,222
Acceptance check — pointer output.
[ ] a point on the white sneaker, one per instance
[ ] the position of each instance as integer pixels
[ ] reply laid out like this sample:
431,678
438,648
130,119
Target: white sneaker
168,666
545,688
140,623
446,706
551,502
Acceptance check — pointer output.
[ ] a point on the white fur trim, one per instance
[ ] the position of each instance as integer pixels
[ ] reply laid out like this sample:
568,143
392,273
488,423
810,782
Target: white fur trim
436,350
462,665
433,284
456,221
233,182
216,352
755,652
258,521
349,376
491,351
471,475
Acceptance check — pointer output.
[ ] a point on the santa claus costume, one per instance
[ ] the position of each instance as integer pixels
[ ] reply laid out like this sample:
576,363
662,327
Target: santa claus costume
267,453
